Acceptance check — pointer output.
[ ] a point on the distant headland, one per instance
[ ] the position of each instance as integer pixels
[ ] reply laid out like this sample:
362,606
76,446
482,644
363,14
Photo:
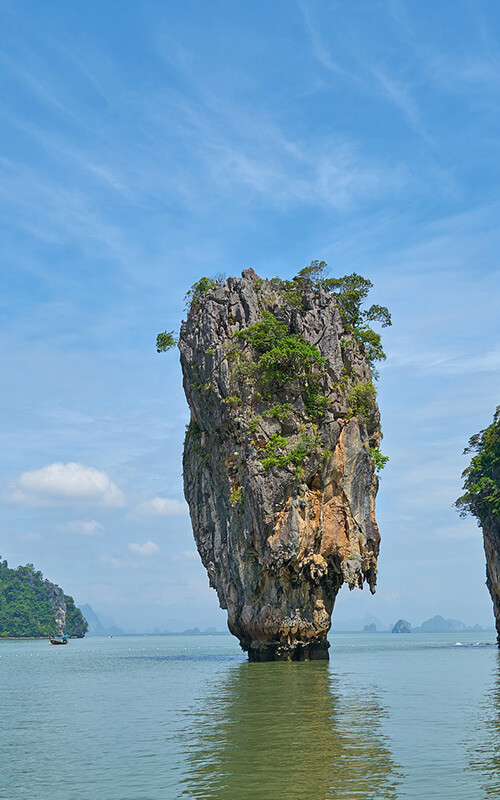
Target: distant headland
33,607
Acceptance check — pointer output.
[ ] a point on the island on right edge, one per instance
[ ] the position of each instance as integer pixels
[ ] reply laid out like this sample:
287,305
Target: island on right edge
481,498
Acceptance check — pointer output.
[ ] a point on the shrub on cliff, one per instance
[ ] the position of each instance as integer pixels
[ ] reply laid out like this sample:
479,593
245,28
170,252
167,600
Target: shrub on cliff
350,292
481,496
283,357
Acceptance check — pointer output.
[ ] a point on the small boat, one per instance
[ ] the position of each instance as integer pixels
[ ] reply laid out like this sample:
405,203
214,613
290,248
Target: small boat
58,640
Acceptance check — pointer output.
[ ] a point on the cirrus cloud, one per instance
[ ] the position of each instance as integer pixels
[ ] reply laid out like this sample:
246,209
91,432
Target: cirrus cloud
66,484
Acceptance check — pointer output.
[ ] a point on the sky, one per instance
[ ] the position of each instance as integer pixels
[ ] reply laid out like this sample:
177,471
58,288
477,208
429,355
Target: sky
145,144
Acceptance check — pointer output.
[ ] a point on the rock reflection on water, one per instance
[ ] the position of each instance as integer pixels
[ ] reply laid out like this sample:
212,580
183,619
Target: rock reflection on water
281,731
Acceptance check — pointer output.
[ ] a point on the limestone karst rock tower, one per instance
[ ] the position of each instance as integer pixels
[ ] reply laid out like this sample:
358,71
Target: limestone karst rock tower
281,451
481,498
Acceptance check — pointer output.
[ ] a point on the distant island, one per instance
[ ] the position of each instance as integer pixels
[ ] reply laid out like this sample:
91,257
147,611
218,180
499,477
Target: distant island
436,624
33,607
402,626
440,625
98,627
95,625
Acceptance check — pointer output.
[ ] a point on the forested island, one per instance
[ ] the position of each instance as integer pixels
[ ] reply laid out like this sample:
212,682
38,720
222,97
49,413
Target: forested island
32,606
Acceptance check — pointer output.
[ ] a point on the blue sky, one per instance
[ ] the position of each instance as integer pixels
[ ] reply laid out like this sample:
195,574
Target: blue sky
145,144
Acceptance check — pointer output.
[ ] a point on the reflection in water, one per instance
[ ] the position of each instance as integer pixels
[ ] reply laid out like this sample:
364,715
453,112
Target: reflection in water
485,750
281,731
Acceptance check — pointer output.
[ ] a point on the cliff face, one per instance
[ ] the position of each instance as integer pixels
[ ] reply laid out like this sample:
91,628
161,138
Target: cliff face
278,459
56,598
481,498
491,539
69,620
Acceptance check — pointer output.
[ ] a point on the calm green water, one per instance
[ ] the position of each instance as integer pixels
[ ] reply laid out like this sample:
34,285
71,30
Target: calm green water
155,718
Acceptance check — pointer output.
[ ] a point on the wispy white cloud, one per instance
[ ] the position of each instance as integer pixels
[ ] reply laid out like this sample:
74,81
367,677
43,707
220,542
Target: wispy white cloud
370,77
52,211
240,150
48,92
147,549
112,561
161,507
471,68
398,92
331,173
85,527
446,363
464,529
65,484
319,47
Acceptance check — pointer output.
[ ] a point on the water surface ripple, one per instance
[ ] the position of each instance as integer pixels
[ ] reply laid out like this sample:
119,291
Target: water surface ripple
162,718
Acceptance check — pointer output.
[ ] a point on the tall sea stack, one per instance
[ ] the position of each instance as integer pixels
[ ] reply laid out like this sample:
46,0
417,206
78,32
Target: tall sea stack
281,451
481,498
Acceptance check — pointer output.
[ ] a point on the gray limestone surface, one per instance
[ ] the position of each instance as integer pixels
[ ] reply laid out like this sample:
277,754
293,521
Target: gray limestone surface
277,541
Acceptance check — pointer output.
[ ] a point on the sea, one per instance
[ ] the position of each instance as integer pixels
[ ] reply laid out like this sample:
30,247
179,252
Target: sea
161,718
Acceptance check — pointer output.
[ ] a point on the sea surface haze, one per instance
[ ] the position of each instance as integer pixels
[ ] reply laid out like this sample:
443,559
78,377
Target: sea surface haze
161,718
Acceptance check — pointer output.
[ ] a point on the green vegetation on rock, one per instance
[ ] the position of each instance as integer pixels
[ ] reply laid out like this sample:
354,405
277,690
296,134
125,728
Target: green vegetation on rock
378,459
195,294
28,605
361,399
76,624
279,411
236,496
165,341
282,357
271,363
481,496
350,292
279,452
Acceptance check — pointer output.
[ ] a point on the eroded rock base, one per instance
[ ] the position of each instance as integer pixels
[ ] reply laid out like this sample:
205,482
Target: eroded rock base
278,651
491,538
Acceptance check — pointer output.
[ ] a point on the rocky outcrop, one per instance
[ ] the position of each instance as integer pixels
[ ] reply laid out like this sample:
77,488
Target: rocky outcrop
401,626
56,597
491,540
481,498
279,467
69,619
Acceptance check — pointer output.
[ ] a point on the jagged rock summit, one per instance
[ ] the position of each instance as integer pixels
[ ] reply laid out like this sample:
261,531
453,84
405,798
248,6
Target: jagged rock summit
281,451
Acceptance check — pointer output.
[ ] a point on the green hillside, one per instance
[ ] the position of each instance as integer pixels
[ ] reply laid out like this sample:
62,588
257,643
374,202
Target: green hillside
33,606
